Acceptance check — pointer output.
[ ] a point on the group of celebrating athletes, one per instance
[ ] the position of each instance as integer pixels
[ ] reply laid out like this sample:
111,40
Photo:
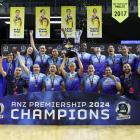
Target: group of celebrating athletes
90,73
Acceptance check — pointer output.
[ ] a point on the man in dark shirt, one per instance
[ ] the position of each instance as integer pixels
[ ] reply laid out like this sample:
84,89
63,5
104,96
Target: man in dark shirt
15,83
128,82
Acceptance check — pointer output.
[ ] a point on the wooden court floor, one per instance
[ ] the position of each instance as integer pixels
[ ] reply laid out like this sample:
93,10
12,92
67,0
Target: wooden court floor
69,132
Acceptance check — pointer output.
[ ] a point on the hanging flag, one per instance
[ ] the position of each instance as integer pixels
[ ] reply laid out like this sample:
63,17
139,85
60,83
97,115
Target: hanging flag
42,22
94,21
138,8
17,22
68,21
120,10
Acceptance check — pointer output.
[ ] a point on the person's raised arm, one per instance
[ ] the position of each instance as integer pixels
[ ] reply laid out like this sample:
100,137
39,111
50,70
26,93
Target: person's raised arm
32,41
22,63
62,67
80,72
1,68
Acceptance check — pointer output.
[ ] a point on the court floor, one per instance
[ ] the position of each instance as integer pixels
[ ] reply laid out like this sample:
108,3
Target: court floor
69,132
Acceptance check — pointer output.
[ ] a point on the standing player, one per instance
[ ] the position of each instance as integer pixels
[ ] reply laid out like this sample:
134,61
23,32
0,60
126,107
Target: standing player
99,62
40,57
72,78
55,59
114,61
7,65
84,56
128,81
15,83
35,78
109,84
53,82
128,58
27,60
90,81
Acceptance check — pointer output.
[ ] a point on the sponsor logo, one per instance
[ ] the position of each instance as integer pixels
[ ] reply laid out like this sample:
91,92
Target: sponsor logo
123,109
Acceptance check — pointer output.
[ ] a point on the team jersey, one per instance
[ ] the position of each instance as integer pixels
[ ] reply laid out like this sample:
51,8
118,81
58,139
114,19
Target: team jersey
27,60
9,68
99,63
108,85
72,81
53,83
55,61
90,83
115,63
68,61
35,82
42,60
15,86
130,59
137,66
85,59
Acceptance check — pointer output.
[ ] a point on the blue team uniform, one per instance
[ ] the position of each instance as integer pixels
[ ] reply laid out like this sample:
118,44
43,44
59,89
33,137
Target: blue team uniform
35,82
69,60
85,59
130,59
55,61
53,83
72,82
115,63
99,63
9,68
137,66
42,60
108,85
90,83
27,60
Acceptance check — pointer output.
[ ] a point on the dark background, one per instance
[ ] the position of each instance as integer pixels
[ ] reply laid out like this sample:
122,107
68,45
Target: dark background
113,32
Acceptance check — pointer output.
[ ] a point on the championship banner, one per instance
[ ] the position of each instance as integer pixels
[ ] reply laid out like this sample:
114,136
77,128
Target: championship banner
120,10
68,108
138,8
17,22
68,21
42,22
94,21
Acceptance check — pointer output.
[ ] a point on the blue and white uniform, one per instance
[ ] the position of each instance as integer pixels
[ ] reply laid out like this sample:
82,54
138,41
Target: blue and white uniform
72,81
108,85
137,66
115,63
42,61
53,83
27,60
56,61
99,63
90,83
35,82
85,59
130,59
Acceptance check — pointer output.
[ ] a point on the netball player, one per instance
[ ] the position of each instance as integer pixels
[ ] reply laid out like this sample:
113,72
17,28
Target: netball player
72,78
128,58
109,84
35,78
53,82
8,67
90,81
114,61
99,62
84,56
40,57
